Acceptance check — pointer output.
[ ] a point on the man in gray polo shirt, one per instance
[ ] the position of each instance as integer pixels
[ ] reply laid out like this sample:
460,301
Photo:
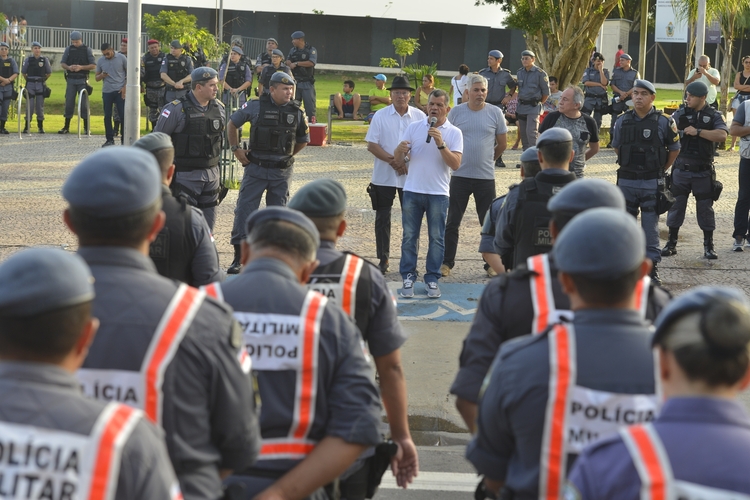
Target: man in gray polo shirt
112,68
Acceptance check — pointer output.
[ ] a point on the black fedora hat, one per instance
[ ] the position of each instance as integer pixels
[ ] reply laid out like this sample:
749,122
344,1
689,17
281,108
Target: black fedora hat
400,82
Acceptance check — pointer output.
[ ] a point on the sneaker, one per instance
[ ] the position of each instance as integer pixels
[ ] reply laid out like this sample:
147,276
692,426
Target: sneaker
499,163
407,289
445,270
739,242
433,290
491,272
108,143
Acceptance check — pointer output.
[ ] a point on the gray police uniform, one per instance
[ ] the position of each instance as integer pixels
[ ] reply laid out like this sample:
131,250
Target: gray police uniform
693,168
235,75
623,80
36,71
345,402
643,145
197,135
487,239
47,420
270,168
176,68
532,85
595,98
156,89
8,68
305,77
206,403
268,71
496,83
77,80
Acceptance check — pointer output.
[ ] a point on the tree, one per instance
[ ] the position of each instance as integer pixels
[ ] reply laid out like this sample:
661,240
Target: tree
403,47
561,33
631,9
170,25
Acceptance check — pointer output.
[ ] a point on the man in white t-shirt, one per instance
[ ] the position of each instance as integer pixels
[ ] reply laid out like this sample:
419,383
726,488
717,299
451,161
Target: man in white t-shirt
388,176
434,148
708,75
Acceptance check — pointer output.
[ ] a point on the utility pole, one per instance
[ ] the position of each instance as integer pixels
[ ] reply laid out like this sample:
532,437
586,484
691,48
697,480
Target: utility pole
132,125
644,39
700,31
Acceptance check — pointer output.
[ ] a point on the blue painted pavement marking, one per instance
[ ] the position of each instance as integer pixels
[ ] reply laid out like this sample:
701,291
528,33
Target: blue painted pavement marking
458,302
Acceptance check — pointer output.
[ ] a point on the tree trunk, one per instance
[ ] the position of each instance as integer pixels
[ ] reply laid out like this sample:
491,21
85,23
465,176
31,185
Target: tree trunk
726,74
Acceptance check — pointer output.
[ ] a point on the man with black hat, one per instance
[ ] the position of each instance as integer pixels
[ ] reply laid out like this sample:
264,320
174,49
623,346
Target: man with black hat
646,143
73,446
8,73
155,93
36,70
533,91
264,58
264,80
236,76
361,291
163,347
184,249
77,61
176,70
498,79
549,395
388,176
196,124
622,83
269,160
302,60
693,170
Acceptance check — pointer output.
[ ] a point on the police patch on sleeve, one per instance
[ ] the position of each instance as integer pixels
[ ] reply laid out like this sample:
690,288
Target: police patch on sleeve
673,126
245,105
166,113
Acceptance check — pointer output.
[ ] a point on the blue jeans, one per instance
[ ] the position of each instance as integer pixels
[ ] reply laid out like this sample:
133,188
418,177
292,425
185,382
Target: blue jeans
415,206
110,99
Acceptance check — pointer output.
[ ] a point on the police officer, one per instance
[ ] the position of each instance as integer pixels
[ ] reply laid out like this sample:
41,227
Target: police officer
35,70
646,143
156,89
264,80
359,288
302,60
693,169
77,61
264,58
163,347
522,228
702,340
531,298
69,442
595,81
196,124
237,77
176,70
320,406
184,249
549,395
279,131
497,80
622,83
533,91
8,73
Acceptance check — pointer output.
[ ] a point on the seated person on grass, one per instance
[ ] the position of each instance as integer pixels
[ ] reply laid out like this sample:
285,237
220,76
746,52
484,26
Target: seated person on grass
380,97
347,104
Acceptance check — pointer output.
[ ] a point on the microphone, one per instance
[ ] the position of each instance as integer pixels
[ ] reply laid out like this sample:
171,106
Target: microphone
433,121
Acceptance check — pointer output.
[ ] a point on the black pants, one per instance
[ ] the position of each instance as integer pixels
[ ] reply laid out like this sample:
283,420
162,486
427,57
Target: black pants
460,190
742,208
385,196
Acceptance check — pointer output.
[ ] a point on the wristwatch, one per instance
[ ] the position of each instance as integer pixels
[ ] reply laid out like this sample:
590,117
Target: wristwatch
234,148
442,146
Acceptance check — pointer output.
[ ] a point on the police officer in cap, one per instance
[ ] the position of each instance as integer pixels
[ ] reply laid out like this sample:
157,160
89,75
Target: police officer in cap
623,81
498,78
264,58
646,143
264,80
701,439
533,91
163,346
8,73
531,297
46,328
36,70
184,249
196,124
320,406
595,81
701,128
302,60
522,229
279,131
359,288
155,93
77,61
549,395
237,77
176,71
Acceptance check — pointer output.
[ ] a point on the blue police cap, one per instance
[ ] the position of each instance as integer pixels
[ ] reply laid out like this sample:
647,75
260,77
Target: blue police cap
320,198
283,214
36,44
39,280
601,243
626,56
76,35
496,54
281,77
277,52
554,135
203,74
697,89
114,181
645,84
3,44
298,34
155,141
585,194
272,40
238,50
530,155
528,53
175,44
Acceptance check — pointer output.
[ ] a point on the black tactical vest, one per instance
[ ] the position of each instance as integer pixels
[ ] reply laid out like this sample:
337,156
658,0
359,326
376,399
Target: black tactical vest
174,247
302,74
199,144
152,68
330,280
78,55
264,58
177,67
274,132
6,67
235,74
641,150
693,147
531,233
35,70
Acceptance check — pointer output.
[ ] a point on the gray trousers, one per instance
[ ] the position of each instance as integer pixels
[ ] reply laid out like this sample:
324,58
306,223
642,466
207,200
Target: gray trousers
6,92
593,106
171,95
75,85
528,127
699,183
257,180
201,187
36,99
642,195
306,95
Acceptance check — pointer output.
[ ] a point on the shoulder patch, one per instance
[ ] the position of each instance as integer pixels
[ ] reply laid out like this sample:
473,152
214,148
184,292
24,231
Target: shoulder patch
245,105
673,126
176,101
221,103
166,113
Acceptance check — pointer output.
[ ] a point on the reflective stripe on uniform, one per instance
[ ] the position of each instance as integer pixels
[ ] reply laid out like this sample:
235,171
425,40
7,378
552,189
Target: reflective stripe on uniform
650,460
213,290
350,274
641,295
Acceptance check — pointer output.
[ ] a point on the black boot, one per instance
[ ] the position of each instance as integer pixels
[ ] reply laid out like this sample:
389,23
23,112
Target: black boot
654,275
116,130
2,128
671,247
66,128
25,126
235,267
85,126
708,245
40,124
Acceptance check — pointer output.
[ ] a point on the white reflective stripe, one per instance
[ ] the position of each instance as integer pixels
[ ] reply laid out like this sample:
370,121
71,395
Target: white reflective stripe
174,491
349,280
643,289
651,462
691,491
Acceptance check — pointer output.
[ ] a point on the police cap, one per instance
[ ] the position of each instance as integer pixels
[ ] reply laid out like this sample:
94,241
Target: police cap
601,243
203,74
320,198
298,34
272,40
40,280
697,89
528,53
283,214
76,35
238,50
281,77
175,44
155,141
152,41
585,194
530,155
496,54
645,84
554,135
3,44
36,44
626,56
113,182
277,52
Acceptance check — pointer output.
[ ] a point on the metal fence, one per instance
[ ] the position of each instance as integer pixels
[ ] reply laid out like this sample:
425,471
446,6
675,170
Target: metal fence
59,38
252,46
